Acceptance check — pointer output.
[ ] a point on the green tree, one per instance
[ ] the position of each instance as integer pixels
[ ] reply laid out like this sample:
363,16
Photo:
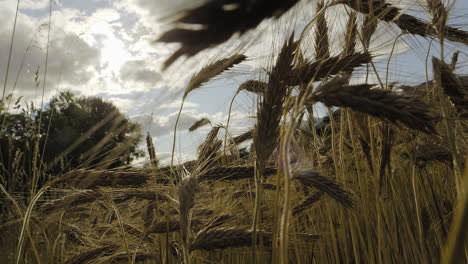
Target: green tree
71,132
85,132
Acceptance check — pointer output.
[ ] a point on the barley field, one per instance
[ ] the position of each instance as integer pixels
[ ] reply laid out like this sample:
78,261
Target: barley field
380,177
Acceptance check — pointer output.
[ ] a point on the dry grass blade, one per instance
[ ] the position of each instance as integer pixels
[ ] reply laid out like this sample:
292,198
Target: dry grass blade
89,179
199,123
322,46
212,70
271,107
148,216
90,256
121,257
242,194
379,103
307,202
219,21
232,173
174,225
319,70
253,86
125,195
326,185
136,232
225,238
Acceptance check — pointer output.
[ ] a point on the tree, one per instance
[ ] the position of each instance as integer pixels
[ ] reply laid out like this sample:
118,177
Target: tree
71,132
88,132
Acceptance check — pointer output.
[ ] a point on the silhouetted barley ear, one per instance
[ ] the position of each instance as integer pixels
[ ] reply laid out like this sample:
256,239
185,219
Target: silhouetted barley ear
322,46
199,123
379,103
326,185
453,86
439,14
243,16
70,201
187,190
376,8
453,64
318,70
160,227
254,86
151,151
307,202
75,235
208,150
431,153
243,137
212,70
225,238
407,23
349,47
175,250
89,179
92,255
233,173
271,107
369,27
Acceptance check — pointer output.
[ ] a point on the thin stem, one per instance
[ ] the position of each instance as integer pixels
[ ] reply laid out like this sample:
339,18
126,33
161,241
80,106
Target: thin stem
285,214
388,61
175,131
10,52
228,120
259,168
36,172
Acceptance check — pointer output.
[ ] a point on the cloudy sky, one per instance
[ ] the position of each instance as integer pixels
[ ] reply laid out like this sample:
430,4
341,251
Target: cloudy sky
106,48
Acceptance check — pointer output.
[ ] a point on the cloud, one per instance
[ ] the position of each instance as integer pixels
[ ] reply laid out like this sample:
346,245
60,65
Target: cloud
163,125
71,60
176,105
139,71
33,4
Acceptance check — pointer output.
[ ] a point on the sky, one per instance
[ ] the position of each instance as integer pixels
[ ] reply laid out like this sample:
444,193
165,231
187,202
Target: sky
107,48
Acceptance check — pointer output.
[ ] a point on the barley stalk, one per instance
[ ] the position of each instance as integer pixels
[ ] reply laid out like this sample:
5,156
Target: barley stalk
326,185
244,16
379,103
199,123
322,47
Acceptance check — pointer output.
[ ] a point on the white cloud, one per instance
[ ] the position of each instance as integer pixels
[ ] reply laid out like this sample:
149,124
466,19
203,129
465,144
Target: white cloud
176,105
33,4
